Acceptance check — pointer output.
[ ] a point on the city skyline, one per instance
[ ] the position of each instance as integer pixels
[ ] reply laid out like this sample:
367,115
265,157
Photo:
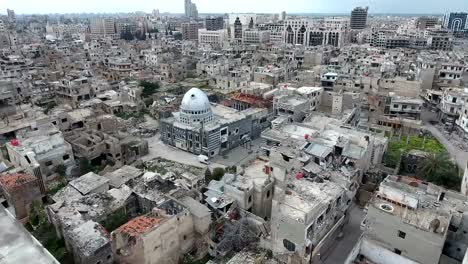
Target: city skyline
209,6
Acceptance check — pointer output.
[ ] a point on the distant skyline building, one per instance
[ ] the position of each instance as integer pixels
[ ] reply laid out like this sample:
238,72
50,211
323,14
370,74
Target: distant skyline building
283,16
155,12
456,21
11,16
359,18
191,10
214,23
426,22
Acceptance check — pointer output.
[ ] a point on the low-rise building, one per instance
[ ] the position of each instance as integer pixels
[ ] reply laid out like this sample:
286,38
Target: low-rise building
293,107
462,121
411,221
98,146
40,153
163,235
451,105
20,192
252,190
402,107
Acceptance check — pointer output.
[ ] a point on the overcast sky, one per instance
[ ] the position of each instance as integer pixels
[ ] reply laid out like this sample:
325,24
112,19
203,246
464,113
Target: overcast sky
229,6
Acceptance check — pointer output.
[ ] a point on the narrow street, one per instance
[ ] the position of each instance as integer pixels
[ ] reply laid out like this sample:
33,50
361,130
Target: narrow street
351,233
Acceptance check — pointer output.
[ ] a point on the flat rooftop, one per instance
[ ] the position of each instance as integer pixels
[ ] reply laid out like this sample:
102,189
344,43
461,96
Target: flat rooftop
17,245
307,200
88,182
227,113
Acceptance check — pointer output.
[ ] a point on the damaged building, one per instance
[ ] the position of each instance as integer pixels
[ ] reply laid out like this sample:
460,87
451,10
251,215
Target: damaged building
40,153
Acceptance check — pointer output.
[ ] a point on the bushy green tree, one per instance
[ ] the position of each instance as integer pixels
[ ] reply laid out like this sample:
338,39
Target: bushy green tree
149,88
218,173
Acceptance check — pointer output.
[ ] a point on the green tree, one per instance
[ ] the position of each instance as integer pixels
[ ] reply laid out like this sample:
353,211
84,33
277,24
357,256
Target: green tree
438,168
218,173
85,166
49,106
149,88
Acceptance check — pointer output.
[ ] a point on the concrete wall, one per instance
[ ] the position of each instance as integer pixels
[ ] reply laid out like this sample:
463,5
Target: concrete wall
262,202
337,105
376,254
400,87
464,185
243,198
427,77
283,227
457,241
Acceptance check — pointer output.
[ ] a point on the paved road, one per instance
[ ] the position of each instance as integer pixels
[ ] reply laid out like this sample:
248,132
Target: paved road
351,234
157,149
240,155
237,156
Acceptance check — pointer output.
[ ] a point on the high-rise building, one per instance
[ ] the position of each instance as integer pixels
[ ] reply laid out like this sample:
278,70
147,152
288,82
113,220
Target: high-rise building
187,6
283,16
237,29
103,27
426,22
156,13
190,9
190,31
214,23
456,21
11,16
194,11
359,17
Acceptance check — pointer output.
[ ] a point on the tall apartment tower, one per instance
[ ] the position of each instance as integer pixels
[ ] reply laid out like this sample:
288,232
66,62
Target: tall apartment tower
237,29
456,21
190,31
187,6
359,17
282,16
214,23
11,16
190,9
103,27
